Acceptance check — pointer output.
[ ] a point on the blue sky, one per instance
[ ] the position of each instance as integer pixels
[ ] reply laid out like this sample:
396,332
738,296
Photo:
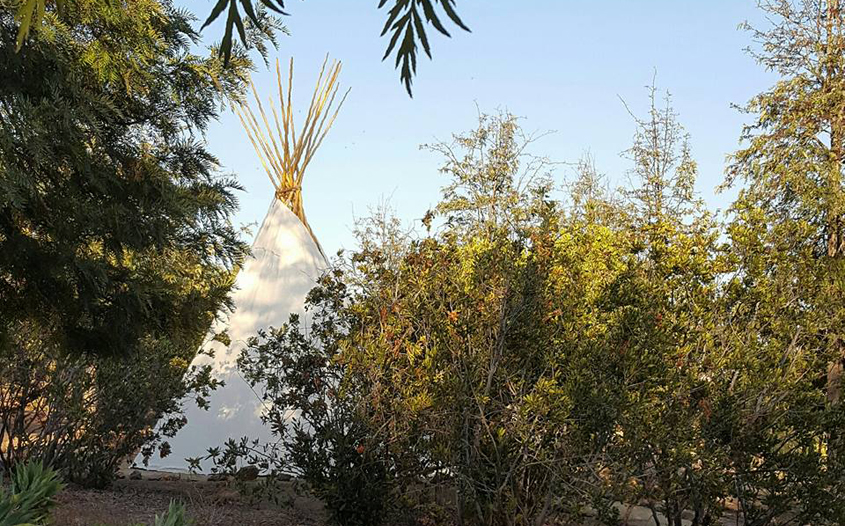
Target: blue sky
562,65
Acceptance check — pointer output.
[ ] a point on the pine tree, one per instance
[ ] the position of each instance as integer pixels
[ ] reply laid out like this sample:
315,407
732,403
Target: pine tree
788,224
786,305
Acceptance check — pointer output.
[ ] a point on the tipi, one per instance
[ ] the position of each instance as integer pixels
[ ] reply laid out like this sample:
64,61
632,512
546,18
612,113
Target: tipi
286,261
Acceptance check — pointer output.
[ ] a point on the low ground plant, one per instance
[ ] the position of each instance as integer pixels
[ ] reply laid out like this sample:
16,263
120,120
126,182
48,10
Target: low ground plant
29,497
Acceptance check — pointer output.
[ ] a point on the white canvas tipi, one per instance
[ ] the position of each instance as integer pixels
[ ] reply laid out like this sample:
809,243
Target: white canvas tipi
285,263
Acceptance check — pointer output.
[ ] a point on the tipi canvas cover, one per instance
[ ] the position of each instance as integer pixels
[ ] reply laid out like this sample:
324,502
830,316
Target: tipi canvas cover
272,284
285,263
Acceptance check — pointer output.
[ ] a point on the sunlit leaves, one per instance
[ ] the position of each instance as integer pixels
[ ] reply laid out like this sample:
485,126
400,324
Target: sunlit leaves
787,240
29,16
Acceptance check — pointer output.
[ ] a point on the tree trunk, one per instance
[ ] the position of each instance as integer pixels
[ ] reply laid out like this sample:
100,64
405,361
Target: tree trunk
835,234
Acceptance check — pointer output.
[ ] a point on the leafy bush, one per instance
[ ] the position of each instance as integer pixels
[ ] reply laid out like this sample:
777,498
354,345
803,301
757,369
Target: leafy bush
665,304
312,406
29,499
93,412
538,359
315,404
424,366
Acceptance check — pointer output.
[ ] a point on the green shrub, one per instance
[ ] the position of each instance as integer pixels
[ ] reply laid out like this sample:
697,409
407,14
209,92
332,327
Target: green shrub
29,499
470,341
92,412
313,408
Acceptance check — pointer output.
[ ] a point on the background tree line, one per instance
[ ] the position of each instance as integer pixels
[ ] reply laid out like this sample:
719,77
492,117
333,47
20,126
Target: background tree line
546,358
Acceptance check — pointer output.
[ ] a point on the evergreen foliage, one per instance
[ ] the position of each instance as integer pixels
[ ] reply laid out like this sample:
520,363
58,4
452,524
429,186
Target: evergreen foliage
781,413
543,358
539,359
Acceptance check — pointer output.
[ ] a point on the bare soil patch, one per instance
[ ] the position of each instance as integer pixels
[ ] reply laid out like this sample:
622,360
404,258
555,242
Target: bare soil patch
217,503
132,502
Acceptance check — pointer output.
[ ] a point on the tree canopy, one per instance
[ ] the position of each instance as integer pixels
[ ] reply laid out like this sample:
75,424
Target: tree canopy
111,210
408,24
538,354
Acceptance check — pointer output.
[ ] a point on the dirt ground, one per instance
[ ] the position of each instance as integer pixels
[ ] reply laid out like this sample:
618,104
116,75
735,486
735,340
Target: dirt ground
131,502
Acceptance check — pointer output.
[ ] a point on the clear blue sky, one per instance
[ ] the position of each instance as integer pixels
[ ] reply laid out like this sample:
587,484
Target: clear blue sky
560,64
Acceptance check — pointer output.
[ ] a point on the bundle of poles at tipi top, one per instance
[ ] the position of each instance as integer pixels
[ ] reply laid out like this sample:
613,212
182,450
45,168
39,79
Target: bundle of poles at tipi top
283,152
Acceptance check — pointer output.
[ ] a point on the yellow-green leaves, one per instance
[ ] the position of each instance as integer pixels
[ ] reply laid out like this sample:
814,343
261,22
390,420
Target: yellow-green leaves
29,16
